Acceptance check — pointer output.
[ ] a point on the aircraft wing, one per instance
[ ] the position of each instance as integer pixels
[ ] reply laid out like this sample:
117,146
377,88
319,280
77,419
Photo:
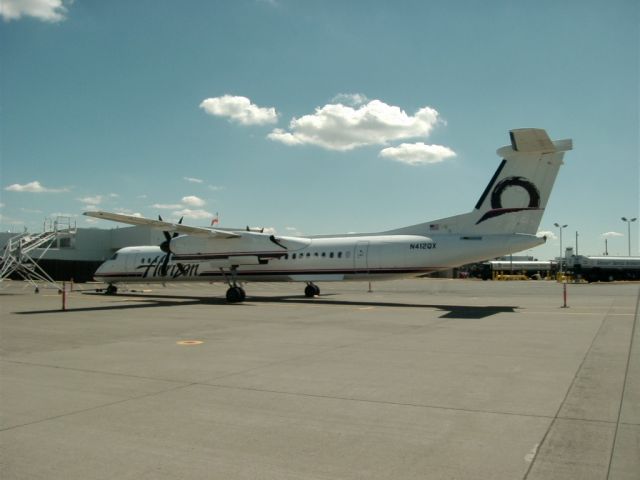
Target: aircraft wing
161,225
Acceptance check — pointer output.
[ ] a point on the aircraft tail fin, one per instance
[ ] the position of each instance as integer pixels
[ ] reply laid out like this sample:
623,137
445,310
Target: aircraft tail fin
517,194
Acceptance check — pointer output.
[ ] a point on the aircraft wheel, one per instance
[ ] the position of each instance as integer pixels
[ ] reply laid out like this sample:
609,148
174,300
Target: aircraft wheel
311,290
111,290
235,295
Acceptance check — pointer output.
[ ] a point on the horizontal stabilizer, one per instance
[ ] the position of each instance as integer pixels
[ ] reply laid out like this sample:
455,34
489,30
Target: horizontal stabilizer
531,140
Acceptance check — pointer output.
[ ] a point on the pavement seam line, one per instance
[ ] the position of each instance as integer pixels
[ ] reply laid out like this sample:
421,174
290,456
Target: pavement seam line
377,402
96,407
566,395
624,385
101,372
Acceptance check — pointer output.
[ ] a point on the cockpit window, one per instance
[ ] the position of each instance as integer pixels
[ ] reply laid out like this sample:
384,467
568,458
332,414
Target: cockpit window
115,255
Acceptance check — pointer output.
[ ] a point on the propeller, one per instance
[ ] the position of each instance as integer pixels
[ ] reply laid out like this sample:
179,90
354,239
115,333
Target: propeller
164,246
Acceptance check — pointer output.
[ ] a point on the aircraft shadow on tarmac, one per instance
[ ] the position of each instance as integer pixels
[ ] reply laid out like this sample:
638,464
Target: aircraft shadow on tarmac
160,300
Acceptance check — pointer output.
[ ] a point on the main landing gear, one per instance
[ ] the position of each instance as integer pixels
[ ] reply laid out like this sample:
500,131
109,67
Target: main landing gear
235,293
311,290
111,289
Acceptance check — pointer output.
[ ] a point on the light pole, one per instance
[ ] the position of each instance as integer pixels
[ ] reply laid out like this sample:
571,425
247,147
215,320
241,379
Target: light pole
560,227
628,221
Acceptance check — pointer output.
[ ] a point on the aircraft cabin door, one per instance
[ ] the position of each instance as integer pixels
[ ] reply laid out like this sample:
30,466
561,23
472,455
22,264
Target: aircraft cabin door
360,256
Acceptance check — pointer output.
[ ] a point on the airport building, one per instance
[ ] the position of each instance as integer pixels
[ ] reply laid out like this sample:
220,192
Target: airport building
66,252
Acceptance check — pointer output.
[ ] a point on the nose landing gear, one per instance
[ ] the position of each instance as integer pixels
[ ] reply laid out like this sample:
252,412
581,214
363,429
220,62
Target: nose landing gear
311,290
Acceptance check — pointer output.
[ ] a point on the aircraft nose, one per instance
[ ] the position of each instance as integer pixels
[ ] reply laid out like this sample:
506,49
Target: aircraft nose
101,268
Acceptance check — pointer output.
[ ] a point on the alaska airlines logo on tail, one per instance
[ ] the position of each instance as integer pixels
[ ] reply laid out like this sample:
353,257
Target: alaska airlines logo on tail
496,197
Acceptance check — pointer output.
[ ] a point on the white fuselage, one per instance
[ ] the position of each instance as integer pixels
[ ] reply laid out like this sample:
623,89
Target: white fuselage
310,259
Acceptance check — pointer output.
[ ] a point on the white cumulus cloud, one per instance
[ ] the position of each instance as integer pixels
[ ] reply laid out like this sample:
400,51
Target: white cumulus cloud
351,99
193,180
418,153
34,187
47,10
166,206
95,200
612,234
196,214
547,233
193,201
239,109
342,127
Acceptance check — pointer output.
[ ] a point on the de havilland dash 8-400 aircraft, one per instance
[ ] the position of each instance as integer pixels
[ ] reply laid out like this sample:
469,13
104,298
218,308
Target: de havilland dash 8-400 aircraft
505,220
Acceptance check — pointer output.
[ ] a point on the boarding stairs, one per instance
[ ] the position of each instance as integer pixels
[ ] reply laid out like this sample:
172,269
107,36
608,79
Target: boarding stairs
19,254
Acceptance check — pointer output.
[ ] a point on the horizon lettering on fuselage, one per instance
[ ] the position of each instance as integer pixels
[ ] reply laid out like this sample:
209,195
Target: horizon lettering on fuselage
153,269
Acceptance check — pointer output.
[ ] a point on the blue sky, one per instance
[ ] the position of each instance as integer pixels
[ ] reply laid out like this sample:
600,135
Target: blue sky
315,117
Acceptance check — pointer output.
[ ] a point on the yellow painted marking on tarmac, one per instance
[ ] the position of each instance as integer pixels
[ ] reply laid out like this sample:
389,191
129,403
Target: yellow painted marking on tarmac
366,308
189,343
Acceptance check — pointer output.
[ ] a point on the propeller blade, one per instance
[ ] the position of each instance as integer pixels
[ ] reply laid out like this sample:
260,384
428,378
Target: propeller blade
164,246
175,234
165,262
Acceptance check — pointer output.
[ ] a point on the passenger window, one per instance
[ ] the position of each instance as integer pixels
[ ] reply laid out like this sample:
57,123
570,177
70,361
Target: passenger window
339,254
331,255
324,254
286,257
293,256
308,254
315,254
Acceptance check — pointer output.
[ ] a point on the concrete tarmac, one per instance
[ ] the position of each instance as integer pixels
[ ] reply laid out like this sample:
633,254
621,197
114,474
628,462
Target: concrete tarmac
419,379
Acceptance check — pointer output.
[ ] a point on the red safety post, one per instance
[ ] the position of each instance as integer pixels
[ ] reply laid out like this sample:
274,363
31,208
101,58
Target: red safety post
564,294
64,296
